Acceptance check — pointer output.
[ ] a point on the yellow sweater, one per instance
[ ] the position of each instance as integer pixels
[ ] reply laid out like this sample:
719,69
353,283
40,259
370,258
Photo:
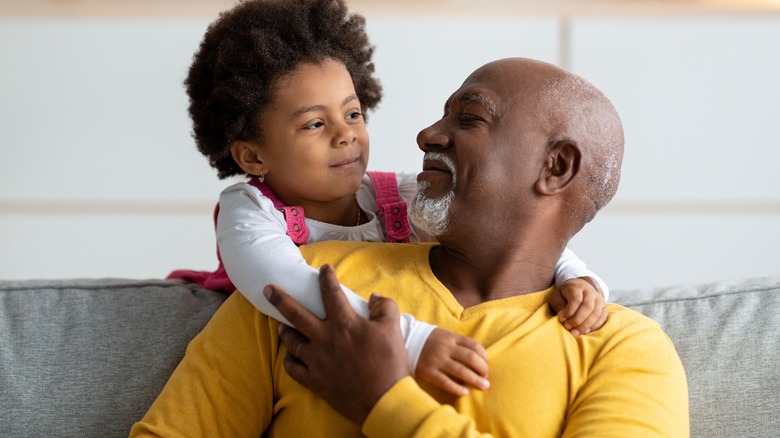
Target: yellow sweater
624,380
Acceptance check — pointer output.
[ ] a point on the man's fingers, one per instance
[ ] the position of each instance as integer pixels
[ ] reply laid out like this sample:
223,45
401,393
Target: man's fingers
383,309
293,340
333,298
296,369
299,316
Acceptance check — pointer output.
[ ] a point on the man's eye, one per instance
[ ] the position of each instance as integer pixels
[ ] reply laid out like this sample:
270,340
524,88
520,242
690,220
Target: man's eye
469,118
314,125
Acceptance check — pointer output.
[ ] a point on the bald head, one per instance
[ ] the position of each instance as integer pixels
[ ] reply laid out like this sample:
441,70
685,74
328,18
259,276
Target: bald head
569,108
530,143
574,109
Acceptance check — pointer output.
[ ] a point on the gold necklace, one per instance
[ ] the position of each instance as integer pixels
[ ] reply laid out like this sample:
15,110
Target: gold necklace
358,210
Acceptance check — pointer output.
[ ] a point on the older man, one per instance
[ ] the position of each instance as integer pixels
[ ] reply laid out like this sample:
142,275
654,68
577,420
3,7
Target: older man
525,154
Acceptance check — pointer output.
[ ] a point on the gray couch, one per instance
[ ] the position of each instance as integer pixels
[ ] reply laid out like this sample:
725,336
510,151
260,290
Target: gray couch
86,358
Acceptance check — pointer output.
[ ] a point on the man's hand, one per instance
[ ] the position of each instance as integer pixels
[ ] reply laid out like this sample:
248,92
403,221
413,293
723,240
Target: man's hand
581,307
346,359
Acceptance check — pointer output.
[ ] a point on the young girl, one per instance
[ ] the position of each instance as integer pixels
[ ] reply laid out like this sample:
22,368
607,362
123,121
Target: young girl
278,91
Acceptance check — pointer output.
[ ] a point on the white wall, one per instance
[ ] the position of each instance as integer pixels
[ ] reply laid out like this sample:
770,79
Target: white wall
99,176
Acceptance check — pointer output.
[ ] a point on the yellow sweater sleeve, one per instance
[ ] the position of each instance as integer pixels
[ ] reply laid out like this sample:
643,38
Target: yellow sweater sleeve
223,386
408,411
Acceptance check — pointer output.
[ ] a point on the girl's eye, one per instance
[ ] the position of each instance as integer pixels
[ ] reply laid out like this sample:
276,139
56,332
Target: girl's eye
355,115
314,125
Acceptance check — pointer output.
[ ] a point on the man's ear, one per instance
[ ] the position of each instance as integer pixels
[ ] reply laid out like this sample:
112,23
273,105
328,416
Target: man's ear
247,156
560,168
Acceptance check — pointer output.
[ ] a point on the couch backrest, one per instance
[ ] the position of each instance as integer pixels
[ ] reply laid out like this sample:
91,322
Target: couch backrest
728,337
86,358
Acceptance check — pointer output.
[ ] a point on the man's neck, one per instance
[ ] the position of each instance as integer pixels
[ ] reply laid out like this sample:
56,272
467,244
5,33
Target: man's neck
478,278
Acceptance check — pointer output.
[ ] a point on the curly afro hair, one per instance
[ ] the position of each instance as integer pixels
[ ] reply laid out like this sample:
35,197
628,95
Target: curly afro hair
249,47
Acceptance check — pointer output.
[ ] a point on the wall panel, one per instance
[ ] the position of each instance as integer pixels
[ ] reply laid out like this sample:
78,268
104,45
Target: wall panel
99,176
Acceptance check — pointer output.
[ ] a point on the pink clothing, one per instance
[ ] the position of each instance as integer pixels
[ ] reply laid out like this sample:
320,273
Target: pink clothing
390,208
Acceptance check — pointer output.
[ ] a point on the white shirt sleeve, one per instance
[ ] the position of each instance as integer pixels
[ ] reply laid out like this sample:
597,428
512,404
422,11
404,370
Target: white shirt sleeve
570,266
256,251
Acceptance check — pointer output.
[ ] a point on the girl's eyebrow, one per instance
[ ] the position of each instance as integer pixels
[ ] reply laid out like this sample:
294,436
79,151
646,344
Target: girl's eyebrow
320,107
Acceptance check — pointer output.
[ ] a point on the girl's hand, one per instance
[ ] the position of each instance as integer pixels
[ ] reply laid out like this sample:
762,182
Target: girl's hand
451,361
580,307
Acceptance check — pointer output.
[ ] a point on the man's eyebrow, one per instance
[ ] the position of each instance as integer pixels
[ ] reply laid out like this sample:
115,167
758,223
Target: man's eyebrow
320,107
482,100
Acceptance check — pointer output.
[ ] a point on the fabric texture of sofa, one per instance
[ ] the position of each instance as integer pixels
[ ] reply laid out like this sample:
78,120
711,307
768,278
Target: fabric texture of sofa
87,357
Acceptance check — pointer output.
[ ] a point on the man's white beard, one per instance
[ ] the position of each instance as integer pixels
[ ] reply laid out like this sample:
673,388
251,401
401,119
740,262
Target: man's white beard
432,215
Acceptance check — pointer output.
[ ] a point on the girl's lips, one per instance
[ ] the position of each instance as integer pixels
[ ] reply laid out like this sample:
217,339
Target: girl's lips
345,163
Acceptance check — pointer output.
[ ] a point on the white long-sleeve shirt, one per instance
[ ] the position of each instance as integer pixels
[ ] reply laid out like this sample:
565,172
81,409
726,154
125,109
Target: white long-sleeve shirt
256,251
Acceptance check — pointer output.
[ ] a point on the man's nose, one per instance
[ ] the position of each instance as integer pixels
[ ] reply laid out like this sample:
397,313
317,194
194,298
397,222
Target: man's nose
433,138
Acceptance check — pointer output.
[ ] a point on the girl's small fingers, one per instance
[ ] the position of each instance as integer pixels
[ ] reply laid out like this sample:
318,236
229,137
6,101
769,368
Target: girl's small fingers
444,382
470,360
602,319
474,346
584,311
588,325
456,370
595,320
568,312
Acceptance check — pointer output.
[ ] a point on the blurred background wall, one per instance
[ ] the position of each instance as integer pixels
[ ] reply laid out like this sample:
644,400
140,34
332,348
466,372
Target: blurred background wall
99,176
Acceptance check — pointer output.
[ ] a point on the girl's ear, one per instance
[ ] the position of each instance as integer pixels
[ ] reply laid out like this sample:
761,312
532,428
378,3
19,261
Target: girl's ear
560,168
247,156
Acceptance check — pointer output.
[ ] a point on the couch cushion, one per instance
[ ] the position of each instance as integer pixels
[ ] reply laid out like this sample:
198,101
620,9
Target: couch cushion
88,357
728,337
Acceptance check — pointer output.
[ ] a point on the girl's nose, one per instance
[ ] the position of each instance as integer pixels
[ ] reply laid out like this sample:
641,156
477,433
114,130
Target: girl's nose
345,135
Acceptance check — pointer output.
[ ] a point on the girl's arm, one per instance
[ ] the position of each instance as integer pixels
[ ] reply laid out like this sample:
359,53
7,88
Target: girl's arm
580,297
569,266
256,251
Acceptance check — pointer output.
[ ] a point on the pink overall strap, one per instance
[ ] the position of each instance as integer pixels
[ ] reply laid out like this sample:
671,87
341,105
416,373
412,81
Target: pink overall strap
390,207
219,280
296,221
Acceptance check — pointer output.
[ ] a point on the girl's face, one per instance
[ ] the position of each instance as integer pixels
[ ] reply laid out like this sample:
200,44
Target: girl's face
314,144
